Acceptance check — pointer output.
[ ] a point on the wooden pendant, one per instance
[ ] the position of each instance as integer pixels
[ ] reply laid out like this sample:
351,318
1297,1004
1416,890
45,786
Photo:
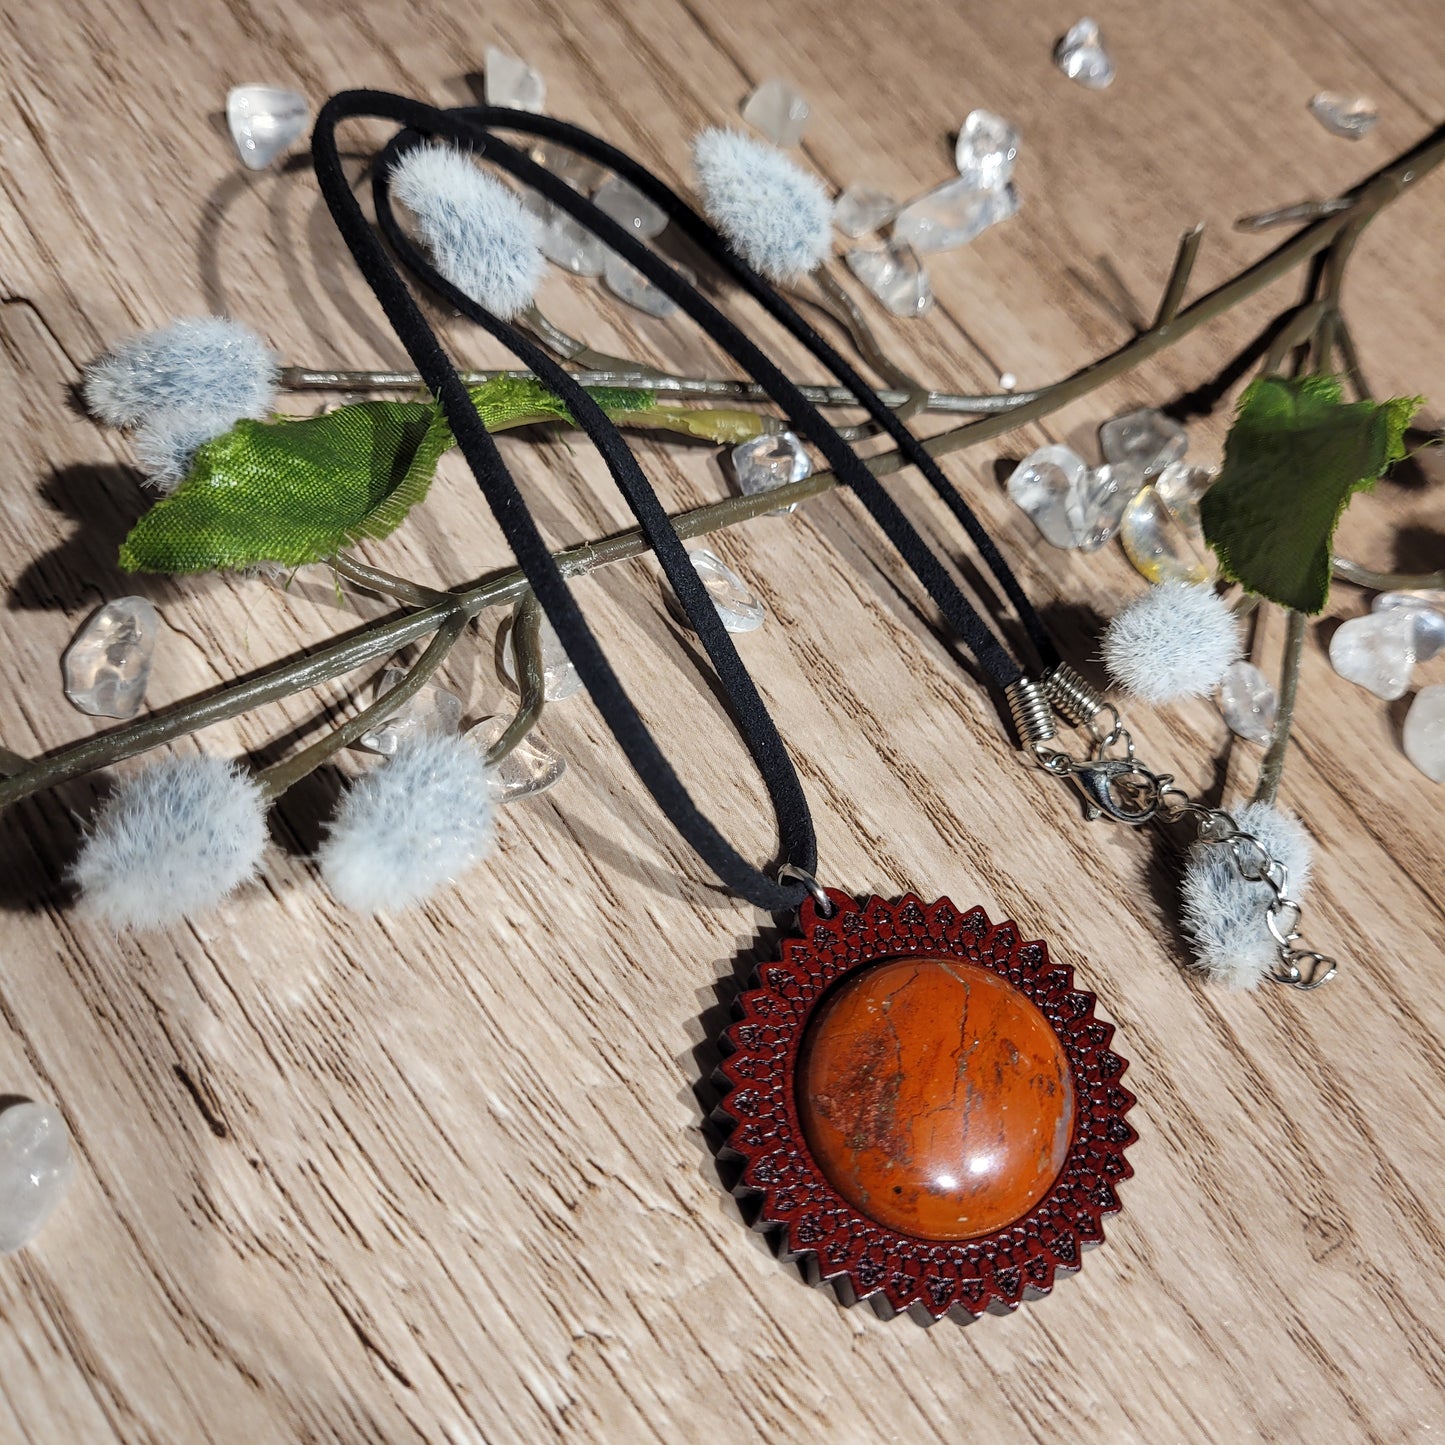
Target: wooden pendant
927,1107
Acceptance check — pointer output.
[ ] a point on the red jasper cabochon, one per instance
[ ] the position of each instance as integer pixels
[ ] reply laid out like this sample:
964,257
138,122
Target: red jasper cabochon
935,1097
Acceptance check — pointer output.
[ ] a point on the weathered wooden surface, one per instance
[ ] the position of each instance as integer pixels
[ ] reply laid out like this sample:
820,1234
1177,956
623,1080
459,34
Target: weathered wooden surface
443,1176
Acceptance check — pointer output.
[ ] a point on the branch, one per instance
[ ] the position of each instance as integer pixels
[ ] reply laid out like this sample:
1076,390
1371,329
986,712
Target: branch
1009,411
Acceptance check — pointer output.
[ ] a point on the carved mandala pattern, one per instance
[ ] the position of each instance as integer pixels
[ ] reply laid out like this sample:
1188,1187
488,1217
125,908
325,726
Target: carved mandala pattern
826,1234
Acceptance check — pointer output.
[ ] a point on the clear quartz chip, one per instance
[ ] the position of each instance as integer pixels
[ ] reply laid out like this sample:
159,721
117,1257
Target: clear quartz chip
567,242
1377,651
1146,437
1097,509
778,110
627,283
1424,733
862,210
36,1167
434,709
107,666
1082,57
560,680
530,768
577,170
1074,505
895,276
986,150
1350,116
1426,609
1163,537
1044,485
768,462
953,214
264,120
632,210
737,607
513,83
1248,702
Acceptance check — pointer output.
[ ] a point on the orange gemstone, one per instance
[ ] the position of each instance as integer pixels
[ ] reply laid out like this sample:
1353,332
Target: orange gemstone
935,1097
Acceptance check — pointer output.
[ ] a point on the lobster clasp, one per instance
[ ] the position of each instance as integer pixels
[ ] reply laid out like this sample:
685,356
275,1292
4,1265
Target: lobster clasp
1120,789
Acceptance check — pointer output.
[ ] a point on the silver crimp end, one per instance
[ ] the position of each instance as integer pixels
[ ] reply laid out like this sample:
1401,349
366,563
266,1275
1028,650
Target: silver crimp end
1075,700
1030,710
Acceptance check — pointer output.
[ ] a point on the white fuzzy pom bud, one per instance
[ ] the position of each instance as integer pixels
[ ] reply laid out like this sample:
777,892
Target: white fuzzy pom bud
175,840
408,828
1225,913
481,237
203,364
165,444
774,214
1173,641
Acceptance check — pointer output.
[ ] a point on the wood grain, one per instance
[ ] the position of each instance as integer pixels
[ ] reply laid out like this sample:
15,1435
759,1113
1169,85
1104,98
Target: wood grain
443,1176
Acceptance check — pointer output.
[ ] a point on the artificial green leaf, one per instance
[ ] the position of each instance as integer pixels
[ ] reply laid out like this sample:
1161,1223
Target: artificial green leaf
297,491
293,491
1294,457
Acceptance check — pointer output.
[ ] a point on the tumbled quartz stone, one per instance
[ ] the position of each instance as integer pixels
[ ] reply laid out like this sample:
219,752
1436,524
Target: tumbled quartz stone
1081,55
530,768
627,283
432,710
630,208
1043,485
1180,485
1096,510
1424,734
779,111
895,276
1147,438
264,121
560,679
1248,702
953,214
768,462
567,242
986,150
36,1167
513,83
107,666
1426,609
581,173
861,210
1164,541
1350,116
737,607
1377,651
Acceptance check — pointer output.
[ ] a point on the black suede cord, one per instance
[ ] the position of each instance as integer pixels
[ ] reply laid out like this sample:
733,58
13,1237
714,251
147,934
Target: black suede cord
470,128
533,556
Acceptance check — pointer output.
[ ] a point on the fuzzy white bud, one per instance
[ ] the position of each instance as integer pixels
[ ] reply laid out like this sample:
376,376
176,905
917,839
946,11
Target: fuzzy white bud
203,365
407,828
774,214
175,840
1173,641
1224,913
481,237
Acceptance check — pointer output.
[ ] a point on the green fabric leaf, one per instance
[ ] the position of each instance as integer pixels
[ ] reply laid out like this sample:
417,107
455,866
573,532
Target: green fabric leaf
293,491
1294,457
298,491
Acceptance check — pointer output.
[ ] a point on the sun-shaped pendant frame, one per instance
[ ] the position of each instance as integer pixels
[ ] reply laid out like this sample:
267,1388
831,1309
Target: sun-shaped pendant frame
829,1238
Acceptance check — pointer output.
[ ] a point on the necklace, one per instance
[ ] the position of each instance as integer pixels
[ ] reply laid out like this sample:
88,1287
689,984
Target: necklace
924,1100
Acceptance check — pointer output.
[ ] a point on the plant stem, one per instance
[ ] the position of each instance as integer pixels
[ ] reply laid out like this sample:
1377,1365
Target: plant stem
1272,767
301,378
526,644
1348,571
279,776
375,580
1008,412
